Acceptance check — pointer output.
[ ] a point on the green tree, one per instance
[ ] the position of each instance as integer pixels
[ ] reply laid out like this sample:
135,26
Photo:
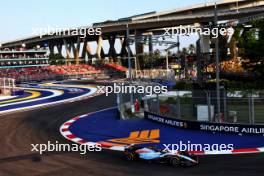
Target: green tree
156,54
56,59
191,49
251,44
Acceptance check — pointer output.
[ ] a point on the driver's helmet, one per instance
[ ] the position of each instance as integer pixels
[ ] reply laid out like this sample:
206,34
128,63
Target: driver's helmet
154,148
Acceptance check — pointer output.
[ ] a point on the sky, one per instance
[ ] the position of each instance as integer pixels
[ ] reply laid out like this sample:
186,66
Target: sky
20,18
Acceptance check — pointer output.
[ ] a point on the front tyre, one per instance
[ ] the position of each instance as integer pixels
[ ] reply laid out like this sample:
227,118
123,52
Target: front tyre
129,157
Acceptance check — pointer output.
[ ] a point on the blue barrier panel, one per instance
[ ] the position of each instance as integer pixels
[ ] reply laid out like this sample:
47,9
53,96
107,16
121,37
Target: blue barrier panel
206,126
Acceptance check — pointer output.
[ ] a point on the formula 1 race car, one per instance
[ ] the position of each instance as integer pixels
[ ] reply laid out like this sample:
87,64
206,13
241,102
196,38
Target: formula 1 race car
152,154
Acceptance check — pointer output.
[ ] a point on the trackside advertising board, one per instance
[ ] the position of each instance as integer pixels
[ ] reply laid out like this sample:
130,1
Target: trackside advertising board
206,126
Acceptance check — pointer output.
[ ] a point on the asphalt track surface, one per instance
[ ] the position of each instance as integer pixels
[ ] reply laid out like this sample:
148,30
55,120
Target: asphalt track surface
19,130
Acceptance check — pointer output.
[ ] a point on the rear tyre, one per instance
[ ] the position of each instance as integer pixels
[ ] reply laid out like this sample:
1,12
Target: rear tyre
175,162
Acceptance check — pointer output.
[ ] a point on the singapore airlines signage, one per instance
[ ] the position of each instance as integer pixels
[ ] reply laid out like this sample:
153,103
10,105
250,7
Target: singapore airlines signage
206,126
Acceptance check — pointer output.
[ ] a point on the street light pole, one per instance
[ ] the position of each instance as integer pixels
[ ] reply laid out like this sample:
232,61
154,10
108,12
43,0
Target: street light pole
167,60
129,67
217,64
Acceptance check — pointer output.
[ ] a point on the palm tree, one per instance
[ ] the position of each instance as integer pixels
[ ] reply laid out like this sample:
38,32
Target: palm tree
184,51
191,49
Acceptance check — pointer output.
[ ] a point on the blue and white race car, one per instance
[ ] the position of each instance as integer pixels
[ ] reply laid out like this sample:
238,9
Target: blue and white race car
152,154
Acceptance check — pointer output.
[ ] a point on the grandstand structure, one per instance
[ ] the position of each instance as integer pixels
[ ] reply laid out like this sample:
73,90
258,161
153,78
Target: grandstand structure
51,73
24,65
23,58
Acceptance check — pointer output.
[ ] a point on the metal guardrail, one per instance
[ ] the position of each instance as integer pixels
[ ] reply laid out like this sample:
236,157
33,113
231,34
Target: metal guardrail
248,110
245,109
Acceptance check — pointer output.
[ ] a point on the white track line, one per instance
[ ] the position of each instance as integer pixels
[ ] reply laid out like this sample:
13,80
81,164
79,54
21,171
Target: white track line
92,91
54,94
6,97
